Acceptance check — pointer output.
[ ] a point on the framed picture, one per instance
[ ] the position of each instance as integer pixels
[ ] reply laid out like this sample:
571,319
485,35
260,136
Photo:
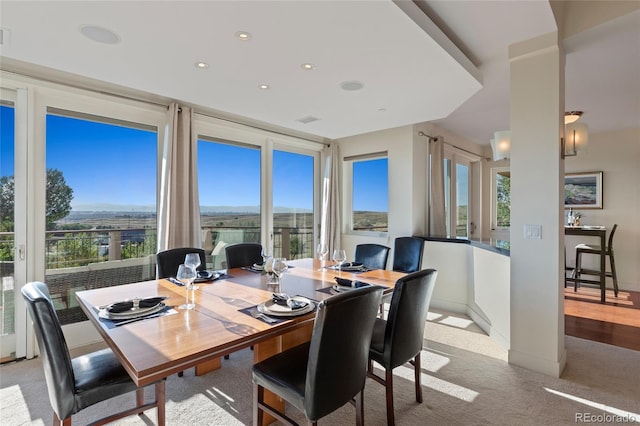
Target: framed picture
583,190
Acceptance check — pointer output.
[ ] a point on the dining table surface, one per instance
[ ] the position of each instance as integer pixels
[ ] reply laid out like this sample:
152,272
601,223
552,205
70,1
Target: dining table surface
599,232
221,323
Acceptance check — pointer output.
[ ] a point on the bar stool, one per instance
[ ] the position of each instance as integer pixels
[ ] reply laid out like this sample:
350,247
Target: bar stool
592,249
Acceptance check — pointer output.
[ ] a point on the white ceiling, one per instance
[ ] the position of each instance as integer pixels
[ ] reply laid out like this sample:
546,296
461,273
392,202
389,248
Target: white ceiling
408,77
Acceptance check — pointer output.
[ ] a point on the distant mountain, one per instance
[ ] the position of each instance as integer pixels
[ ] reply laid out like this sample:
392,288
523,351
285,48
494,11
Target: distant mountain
130,208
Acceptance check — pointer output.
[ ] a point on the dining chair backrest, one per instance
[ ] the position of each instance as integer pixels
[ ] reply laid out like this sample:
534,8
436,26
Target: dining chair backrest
243,254
339,349
407,254
56,361
404,332
610,243
169,260
373,256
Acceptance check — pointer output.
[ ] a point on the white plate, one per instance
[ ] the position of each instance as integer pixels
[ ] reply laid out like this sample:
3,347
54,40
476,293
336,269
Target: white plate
271,308
214,276
132,313
343,288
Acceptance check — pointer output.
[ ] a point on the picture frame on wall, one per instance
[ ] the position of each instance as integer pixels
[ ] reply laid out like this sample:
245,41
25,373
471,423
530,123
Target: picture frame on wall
583,190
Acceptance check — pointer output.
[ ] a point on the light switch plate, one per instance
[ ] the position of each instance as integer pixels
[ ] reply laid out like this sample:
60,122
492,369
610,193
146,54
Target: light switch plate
533,232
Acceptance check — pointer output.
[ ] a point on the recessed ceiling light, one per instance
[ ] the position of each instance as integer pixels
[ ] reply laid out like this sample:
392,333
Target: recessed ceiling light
382,110
243,35
201,65
99,34
307,66
263,87
351,85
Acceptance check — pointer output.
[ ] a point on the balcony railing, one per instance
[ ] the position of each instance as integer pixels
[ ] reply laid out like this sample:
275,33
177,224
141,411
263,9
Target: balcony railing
84,259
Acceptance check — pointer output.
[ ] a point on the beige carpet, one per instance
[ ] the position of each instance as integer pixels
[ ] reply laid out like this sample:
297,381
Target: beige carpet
466,381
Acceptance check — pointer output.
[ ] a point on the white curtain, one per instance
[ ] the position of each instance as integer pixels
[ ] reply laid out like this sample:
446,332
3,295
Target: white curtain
437,213
179,215
330,215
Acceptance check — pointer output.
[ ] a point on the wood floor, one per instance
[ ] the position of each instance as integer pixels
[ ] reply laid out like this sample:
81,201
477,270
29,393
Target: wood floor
616,322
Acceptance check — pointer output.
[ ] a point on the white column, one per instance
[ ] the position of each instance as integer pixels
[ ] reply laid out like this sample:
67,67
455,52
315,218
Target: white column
537,172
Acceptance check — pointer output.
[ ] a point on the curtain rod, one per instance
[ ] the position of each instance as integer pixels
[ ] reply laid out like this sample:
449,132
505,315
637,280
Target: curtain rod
435,138
150,102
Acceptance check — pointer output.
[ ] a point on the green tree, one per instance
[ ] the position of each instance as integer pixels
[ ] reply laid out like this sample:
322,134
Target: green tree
58,206
504,200
59,196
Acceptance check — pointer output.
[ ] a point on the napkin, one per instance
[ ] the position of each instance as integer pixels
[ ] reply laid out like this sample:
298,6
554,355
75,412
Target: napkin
286,301
348,283
126,305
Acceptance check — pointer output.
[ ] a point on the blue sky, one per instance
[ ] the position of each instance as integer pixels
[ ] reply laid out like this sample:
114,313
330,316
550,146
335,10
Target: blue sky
108,164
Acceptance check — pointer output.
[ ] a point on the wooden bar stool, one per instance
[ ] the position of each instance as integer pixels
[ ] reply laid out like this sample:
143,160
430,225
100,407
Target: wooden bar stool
593,249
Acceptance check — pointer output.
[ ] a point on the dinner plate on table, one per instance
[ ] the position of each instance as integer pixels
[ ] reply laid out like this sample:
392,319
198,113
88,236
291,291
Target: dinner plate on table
204,276
131,313
272,308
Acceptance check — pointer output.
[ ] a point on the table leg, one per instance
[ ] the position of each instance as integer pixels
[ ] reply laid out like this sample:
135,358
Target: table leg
603,272
208,366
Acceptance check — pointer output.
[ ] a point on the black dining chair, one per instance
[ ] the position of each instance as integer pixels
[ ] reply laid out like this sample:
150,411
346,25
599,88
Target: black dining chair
582,249
407,254
321,376
74,384
372,256
243,254
169,260
399,338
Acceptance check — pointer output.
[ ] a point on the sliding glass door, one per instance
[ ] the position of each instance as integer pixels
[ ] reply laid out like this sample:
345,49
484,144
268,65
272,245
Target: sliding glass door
8,239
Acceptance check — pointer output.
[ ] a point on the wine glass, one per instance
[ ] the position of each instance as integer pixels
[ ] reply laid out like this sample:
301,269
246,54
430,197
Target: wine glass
193,260
186,274
339,256
265,255
279,268
322,251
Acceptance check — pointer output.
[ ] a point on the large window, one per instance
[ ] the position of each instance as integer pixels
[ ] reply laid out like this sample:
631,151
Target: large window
457,183
100,205
501,198
229,190
369,192
7,229
293,196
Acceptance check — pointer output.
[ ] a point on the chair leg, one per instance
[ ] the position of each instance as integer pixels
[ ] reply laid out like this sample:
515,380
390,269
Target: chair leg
416,368
389,392
614,276
576,272
58,422
258,398
360,408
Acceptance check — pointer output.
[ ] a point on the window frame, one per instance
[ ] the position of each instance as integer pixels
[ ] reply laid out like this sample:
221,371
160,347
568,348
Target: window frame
494,199
347,173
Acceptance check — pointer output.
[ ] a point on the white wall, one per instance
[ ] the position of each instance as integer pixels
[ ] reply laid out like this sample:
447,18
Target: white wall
617,155
407,183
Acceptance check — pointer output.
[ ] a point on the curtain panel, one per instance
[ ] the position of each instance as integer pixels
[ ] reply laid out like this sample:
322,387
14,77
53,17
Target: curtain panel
437,211
330,213
179,210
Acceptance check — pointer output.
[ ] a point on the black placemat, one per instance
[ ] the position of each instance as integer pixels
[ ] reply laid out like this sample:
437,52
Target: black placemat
247,311
167,310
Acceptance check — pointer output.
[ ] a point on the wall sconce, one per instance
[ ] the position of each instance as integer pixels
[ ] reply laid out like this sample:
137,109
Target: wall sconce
576,135
501,145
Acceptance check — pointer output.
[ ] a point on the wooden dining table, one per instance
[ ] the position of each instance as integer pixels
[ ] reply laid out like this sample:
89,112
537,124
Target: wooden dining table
599,232
155,348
